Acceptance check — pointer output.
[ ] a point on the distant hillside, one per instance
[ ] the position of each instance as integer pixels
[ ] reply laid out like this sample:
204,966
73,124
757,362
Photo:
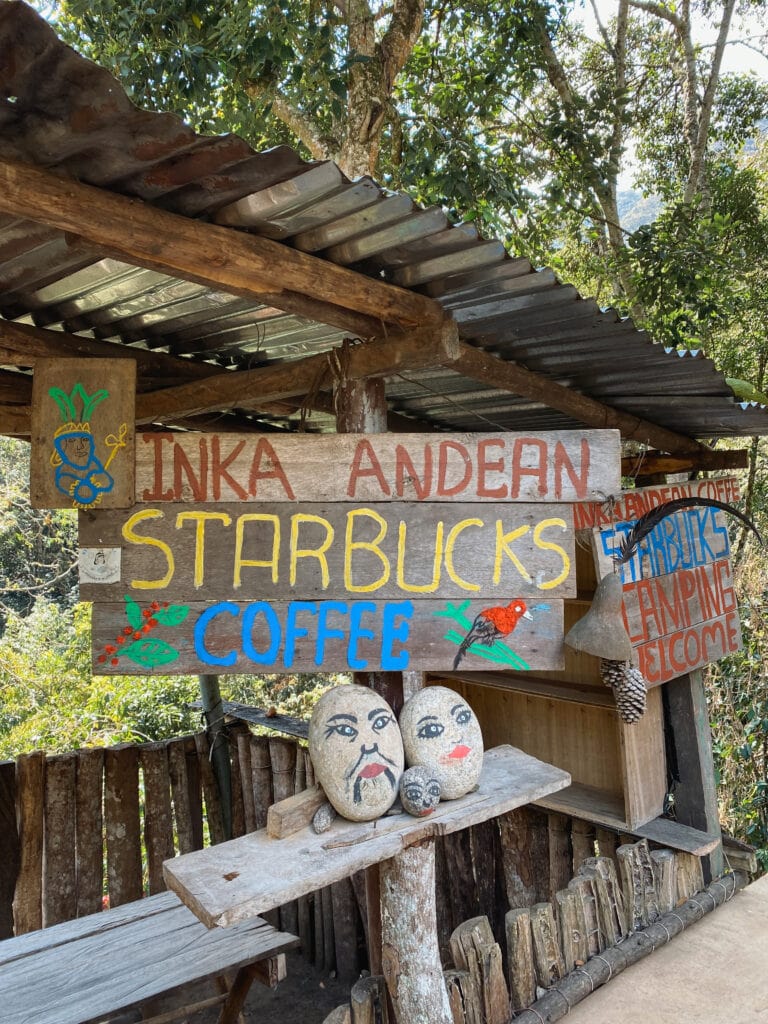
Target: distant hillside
636,209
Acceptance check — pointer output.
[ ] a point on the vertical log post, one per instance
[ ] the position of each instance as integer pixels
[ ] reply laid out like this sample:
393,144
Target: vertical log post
410,953
217,737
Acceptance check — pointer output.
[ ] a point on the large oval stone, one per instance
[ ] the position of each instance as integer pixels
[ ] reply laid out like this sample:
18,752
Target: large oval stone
441,731
357,751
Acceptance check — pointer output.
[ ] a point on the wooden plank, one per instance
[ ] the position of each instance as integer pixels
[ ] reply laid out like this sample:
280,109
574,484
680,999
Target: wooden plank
547,955
657,462
522,975
336,551
294,813
519,870
121,823
261,775
89,815
180,794
345,930
686,540
59,844
282,756
30,796
475,950
587,802
312,636
243,741
132,954
158,820
667,832
644,763
268,871
696,790
10,852
248,265
82,434
236,778
422,348
210,790
549,466
630,505
638,881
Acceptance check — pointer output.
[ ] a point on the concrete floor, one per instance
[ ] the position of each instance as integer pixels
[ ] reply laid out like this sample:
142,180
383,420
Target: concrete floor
716,972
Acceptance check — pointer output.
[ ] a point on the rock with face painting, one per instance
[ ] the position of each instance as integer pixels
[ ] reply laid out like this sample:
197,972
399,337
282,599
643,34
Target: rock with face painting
441,732
357,751
419,791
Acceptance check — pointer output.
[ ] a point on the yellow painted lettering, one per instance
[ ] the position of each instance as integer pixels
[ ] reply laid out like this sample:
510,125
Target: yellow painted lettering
450,544
548,545
437,561
268,563
317,552
504,542
132,537
200,519
351,545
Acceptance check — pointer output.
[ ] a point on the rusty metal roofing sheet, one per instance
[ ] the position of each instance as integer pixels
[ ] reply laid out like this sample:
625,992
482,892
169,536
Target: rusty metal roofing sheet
64,113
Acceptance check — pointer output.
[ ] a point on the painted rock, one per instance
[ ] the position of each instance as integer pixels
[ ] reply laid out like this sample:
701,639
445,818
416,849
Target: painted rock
357,751
441,731
419,791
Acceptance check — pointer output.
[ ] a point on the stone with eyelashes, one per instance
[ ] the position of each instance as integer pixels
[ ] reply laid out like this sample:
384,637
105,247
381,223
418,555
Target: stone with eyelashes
441,731
357,751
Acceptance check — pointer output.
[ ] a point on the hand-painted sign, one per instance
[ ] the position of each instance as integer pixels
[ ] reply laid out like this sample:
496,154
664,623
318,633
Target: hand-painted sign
82,433
679,604
343,552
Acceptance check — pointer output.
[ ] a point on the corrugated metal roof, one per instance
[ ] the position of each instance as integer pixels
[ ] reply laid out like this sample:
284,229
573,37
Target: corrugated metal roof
63,113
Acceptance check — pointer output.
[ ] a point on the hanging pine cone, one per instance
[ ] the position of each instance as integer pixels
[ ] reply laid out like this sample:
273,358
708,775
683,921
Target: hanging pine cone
629,688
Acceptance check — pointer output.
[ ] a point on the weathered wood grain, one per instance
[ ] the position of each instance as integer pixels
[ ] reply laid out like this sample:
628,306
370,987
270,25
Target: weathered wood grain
158,820
109,427
174,552
636,502
121,823
30,789
129,955
282,637
522,974
570,465
267,871
10,853
547,955
181,795
294,812
89,816
59,844
475,950
210,790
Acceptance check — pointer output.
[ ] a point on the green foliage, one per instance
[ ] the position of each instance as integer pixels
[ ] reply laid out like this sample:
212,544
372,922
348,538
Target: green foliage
738,690
49,699
38,548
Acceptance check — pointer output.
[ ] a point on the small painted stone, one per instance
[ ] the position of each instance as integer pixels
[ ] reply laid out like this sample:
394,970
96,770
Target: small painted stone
441,731
323,819
419,791
357,751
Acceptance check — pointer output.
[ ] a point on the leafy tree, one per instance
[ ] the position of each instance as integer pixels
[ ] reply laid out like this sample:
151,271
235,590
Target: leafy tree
38,548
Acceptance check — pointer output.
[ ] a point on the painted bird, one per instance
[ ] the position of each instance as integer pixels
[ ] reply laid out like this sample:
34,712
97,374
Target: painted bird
491,624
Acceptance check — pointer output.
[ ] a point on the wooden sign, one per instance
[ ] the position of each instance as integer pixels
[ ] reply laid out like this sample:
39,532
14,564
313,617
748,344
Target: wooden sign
83,433
679,604
341,552
567,465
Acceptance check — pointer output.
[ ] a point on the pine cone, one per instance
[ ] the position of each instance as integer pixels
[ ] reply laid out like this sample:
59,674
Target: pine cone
629,688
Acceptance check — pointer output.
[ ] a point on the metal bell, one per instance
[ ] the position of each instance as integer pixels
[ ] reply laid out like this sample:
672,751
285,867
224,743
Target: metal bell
601,632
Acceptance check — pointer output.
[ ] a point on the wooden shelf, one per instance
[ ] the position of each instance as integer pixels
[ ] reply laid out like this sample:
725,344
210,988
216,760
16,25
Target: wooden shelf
589,804
245,877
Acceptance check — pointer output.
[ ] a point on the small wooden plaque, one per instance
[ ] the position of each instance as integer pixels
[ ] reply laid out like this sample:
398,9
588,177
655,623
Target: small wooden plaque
83,415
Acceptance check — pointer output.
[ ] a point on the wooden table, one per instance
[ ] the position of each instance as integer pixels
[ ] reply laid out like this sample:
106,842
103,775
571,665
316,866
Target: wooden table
235,881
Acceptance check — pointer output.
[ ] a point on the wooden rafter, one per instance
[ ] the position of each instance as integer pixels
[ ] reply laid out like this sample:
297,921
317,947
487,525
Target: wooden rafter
246,389
216,257
484,367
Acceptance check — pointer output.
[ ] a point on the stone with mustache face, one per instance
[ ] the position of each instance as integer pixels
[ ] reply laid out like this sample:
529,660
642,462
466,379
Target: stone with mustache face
357,751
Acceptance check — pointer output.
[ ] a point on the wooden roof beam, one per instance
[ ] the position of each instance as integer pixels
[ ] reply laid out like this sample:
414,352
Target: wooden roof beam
252,389
217,257
488,369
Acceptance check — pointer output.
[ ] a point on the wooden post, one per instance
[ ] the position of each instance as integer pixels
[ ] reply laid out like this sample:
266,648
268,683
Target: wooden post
217,737
10,853
696,790
59,872
410,954
28,897
89,815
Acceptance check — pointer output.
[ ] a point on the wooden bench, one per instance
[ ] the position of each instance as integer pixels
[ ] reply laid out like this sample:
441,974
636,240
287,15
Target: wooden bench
96,967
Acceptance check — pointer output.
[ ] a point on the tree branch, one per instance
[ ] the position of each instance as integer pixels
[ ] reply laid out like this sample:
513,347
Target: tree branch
303,127
658,9
400,38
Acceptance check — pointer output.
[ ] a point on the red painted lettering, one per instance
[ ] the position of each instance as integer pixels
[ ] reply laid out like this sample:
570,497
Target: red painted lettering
373,469
564,464
405,473
157,493
219,469
274,471
484,466
443,468
520,469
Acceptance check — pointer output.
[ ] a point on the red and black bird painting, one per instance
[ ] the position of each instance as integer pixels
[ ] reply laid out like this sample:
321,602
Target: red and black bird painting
492,624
